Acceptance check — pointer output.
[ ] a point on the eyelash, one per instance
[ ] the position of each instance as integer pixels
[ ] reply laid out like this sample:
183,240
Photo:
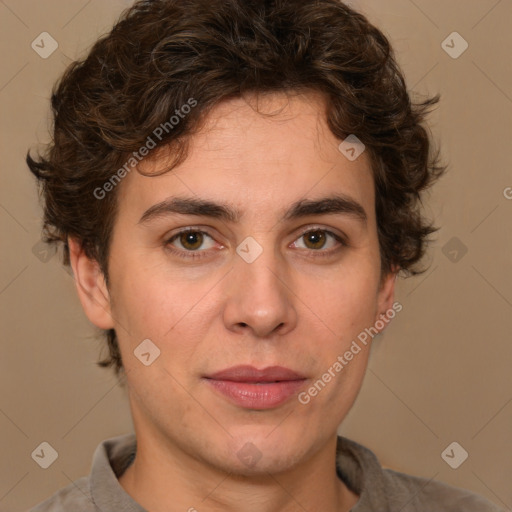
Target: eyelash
192,255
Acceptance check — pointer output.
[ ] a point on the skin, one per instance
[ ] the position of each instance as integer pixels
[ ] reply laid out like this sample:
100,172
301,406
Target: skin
286,308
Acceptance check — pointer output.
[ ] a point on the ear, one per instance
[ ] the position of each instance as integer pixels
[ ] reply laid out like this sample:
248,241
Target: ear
91,287
385,296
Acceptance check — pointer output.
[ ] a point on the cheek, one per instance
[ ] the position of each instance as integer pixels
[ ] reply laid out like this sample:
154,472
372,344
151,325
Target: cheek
143,294
348,303
140,313
168,311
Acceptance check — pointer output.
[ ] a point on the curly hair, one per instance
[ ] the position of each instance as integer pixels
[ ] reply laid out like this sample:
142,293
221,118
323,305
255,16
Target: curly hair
162,53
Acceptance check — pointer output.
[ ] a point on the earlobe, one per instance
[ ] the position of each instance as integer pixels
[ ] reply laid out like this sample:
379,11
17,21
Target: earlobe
91,287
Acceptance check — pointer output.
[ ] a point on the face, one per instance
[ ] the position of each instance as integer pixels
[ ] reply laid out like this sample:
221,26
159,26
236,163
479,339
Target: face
286,284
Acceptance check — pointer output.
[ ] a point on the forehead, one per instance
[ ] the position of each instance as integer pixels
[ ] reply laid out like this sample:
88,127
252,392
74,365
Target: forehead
260,154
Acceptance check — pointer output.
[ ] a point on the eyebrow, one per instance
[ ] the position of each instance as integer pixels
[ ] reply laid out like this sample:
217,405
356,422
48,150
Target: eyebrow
334,205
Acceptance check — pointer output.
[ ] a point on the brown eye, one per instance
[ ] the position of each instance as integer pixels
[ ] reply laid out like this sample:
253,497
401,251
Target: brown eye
314,239
190,240
321,241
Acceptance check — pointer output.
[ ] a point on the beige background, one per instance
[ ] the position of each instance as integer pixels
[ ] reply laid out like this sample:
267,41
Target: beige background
440,373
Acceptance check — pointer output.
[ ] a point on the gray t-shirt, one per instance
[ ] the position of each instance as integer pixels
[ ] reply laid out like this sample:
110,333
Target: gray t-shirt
379,490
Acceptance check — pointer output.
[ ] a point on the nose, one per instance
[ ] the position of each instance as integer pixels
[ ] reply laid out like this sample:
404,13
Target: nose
260,297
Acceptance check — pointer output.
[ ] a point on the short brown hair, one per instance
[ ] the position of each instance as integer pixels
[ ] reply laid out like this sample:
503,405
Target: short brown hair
162,53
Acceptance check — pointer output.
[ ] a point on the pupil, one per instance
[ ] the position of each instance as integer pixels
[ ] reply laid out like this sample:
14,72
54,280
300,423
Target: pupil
191,239
316,237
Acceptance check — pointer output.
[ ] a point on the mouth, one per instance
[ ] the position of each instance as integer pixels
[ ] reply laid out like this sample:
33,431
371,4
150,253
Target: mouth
247,373
250,388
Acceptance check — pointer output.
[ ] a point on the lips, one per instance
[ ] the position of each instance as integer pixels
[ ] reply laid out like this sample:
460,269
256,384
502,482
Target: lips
250,388
245,373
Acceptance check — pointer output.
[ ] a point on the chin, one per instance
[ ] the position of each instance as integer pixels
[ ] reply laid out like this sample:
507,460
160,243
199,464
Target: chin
263,449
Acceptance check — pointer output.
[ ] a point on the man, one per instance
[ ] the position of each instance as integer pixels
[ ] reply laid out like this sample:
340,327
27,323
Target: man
235,185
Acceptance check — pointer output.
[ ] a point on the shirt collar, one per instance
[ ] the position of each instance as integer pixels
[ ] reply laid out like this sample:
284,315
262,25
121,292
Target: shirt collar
110,460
